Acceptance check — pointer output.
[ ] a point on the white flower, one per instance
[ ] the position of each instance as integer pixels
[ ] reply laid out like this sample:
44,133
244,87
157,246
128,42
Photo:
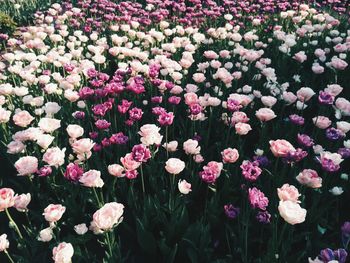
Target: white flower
336,190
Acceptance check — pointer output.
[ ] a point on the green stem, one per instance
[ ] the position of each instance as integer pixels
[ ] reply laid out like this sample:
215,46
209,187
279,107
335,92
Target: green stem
143,182
96,196
13,223
9,257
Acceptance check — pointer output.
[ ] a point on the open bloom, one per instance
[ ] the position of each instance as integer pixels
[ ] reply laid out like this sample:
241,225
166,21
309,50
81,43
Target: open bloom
4,243
63,253
92,178
107,217
281,148
288,193
184,187
291,212
6,198
53,212
27,165
174,166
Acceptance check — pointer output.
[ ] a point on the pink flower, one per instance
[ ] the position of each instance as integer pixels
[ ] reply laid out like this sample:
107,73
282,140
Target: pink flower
26,165
141,153
268,101
54,156
338,63
304,94
309,178
242,128
15,147
150,135
198,77
257,199
288,193
63,253
300,56
4,243
165,118
92,178
22,201
174,166
229,155
75,131
73,172
322,122
49,125
211,172
129,163
107,217
45,235
184,187
22,118
83,148
191,147
6,198
171,146
116,170
291,212
4,115
334,89
191,98
53,213
280,148
265,114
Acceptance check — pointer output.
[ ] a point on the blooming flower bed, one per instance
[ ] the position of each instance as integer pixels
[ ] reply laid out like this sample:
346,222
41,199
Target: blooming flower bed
173,131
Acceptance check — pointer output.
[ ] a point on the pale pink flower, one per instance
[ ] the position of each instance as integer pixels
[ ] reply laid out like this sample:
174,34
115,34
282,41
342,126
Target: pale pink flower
242,128
116,170
49,125
22,118
53,212
309,178
265,114
75,131
150,135
288,193
26,165
54,156
174,166
63,253
280,148
107,217
129,163
322,122
229,155
6,198
4,243
191,147
291,212
92,178
184,187
22,201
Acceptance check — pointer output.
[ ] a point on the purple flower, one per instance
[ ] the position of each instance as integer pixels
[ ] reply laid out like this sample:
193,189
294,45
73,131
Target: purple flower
344,152
166,119
334,134
296,119
295,156
325,98
119,138
231,211
328,254
262,160
305,140
263,217
79,115
345,233
135,114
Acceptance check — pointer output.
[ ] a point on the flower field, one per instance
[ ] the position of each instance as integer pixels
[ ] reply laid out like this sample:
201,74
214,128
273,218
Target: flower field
175,131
